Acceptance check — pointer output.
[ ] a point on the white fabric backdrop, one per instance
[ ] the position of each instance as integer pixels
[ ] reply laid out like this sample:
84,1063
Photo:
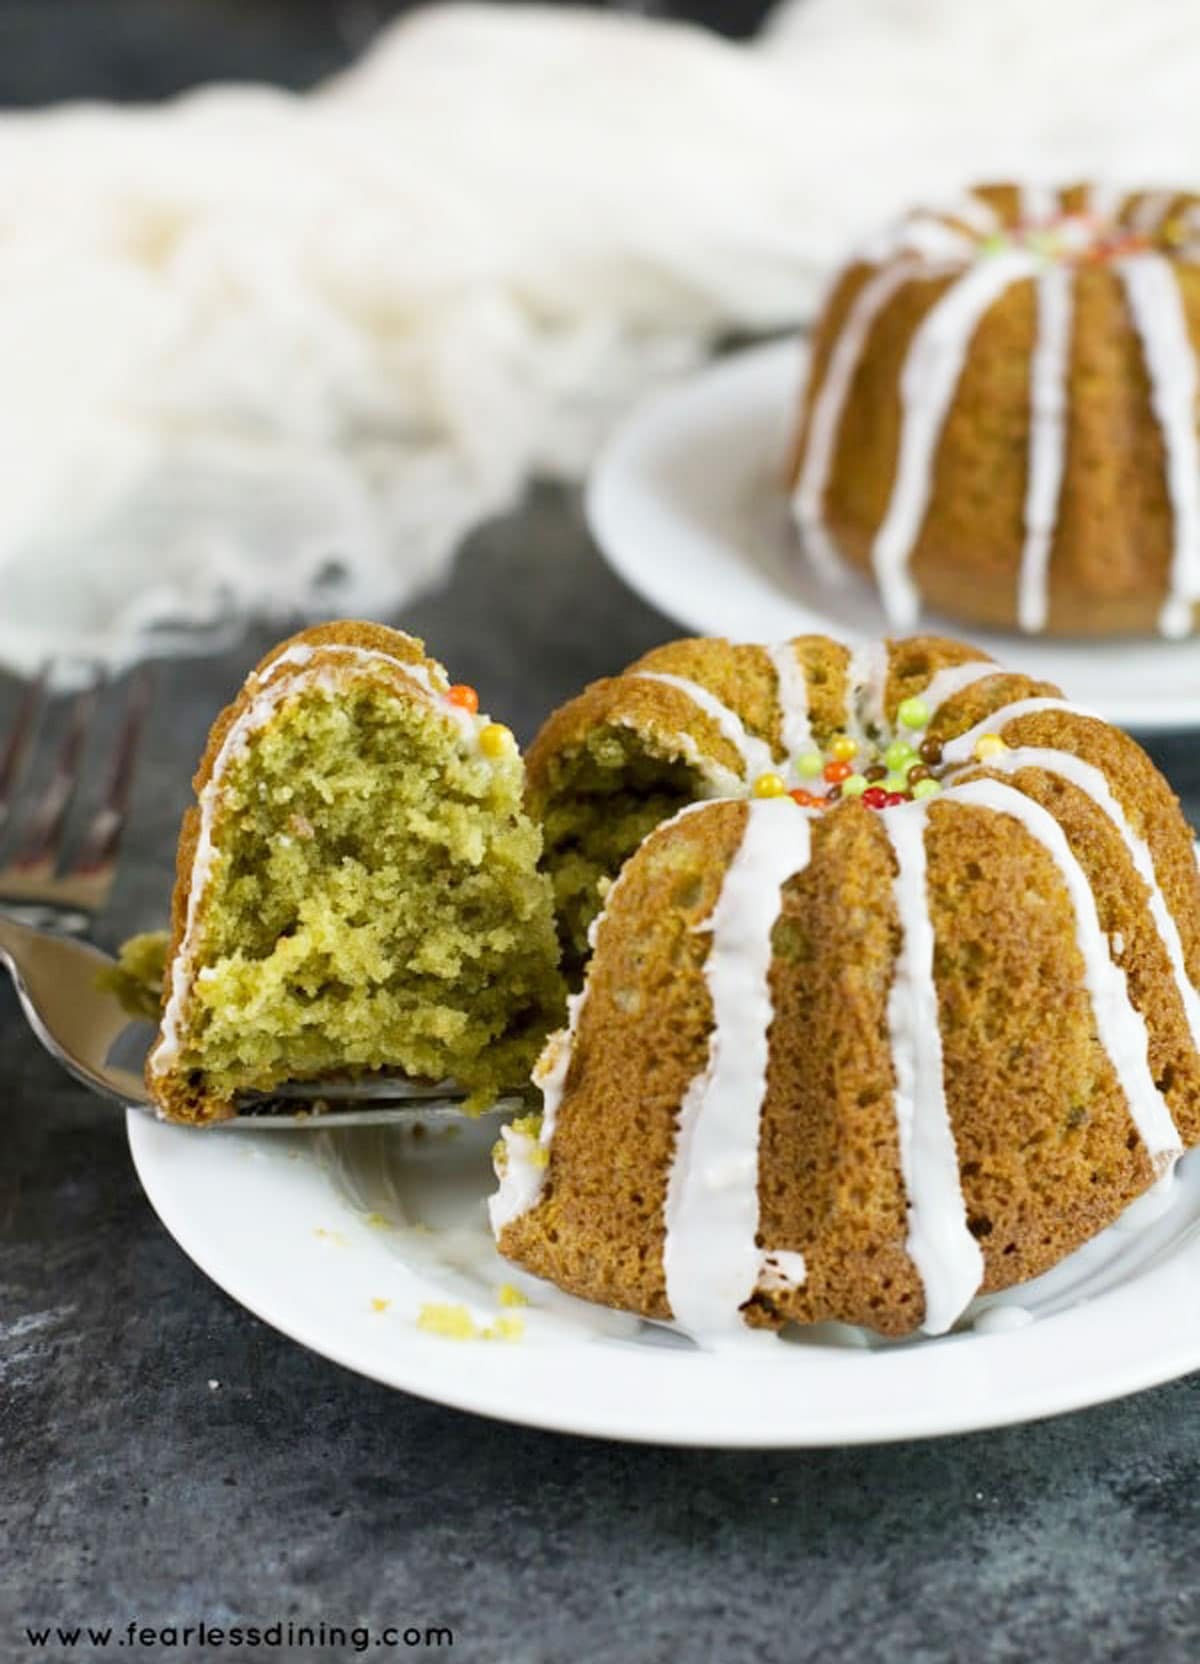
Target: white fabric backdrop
251,337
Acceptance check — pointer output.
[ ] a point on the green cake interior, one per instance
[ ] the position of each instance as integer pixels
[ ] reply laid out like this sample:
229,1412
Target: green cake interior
374,903
605,796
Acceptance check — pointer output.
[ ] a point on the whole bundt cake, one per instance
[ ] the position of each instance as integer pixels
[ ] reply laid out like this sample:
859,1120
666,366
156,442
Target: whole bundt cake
357,885
892,998
1001,413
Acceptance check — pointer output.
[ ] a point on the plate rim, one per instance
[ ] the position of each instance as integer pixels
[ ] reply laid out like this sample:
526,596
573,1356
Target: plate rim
994,1357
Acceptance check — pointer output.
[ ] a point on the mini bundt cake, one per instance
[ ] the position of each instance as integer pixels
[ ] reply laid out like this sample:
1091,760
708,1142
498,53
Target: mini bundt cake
894,1004
357,886
1001,413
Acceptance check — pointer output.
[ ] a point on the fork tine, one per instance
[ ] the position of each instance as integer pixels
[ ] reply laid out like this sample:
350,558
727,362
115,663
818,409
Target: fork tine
19,742
43,836
97,855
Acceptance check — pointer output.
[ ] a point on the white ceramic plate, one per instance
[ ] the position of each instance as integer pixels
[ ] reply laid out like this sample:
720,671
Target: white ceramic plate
688,504
339,1238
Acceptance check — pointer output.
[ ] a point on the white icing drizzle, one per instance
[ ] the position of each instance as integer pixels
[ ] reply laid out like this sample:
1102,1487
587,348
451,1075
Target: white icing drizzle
782,1269
526,1158
711,1259
962,749
1047,442
792,693
924,234
1150,211
1093,781
1157,310
866,682
755,753
274,689
928,382
1002,1320
809,499
1104,200
972,210
1119,1025
301,654
939,1243
1038,203
954,678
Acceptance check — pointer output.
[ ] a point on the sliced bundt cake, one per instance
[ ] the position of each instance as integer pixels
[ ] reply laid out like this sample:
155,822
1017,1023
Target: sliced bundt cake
1001,417
357,885
909,1016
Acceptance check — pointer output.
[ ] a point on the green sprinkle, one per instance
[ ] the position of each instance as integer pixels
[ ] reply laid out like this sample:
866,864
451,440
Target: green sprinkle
809,764
913,713
925,788
854,785
899,755
895,783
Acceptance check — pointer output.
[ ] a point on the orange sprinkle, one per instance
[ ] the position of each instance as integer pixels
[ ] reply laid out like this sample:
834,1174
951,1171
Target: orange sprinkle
461,694
837,771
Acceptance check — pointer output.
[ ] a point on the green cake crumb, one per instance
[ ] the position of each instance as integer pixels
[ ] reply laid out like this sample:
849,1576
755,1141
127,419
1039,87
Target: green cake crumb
375,903
137,977
454,1322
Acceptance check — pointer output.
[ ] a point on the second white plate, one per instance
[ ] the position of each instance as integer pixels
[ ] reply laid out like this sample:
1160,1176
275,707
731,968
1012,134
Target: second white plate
688,504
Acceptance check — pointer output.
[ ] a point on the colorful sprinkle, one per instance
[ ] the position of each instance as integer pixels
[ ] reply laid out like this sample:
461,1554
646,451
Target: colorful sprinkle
854,785
895,782
809,765
875,772
928,787
875,797
836,772
930,751
843,748
496,740
770,785
893,800
913,713
466,697
898,755
988,745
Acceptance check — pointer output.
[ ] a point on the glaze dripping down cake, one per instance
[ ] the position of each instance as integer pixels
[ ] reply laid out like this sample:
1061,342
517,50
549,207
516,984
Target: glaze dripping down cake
890,962
357,886
1000,420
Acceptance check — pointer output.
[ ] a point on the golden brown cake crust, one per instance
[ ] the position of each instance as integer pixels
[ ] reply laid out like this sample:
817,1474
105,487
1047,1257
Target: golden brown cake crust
1049,1152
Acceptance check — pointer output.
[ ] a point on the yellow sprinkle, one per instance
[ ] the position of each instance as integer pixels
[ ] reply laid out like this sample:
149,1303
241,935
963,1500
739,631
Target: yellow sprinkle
509,1295
843,748
496,740
505,1328
451,1322
989,745
770,785
378,1305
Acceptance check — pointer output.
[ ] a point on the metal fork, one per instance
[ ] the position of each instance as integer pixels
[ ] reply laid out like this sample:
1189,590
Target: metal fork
50,895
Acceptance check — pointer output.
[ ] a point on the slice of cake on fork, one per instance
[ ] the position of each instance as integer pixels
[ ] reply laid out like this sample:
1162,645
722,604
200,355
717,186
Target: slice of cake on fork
357,888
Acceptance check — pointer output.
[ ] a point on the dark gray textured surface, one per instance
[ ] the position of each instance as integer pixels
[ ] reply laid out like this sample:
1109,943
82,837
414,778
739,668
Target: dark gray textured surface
295,1489
129,1489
